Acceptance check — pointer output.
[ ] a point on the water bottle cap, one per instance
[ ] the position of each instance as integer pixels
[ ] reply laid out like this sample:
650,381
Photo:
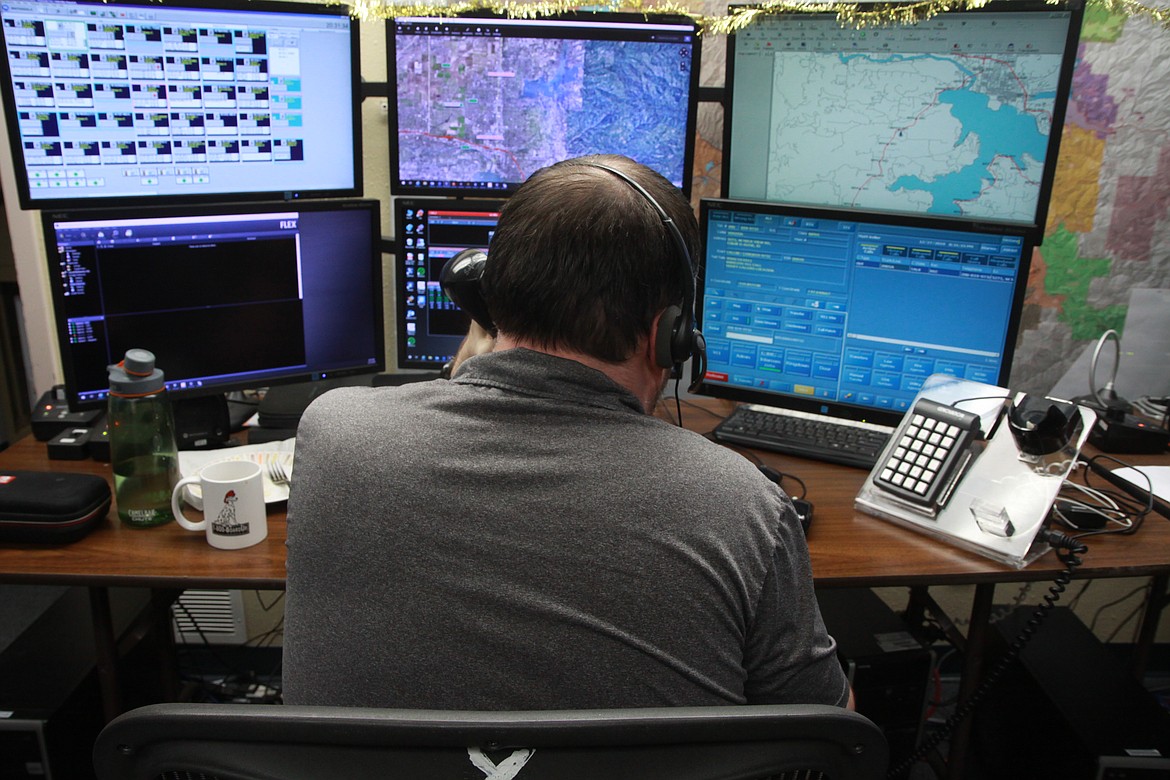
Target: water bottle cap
136,375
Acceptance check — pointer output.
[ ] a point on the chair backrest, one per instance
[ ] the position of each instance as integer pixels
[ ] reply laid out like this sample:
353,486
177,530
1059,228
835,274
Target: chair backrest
267,742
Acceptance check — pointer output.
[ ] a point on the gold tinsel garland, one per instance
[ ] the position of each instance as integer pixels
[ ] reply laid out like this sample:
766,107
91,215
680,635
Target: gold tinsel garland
849,14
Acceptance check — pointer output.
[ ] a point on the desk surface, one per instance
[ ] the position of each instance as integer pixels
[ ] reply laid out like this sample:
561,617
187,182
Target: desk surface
848,548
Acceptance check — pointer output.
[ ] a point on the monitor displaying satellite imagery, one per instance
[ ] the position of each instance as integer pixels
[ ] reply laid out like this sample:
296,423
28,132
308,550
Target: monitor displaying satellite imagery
480,103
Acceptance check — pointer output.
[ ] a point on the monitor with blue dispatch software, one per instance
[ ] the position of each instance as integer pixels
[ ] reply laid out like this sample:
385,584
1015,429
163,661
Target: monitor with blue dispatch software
845,313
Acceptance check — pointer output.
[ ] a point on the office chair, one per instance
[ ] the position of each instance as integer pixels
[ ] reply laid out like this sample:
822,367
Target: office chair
275,742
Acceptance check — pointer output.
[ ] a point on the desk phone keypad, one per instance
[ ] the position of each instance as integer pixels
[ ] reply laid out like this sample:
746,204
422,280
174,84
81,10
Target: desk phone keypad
928,451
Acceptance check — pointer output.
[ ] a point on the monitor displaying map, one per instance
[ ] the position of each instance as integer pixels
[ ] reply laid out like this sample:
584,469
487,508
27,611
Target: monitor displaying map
958,115
480,103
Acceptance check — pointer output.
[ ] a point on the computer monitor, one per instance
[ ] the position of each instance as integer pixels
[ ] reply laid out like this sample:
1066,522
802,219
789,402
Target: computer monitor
479,103
180,102
958,115
428,232
846,313
226,297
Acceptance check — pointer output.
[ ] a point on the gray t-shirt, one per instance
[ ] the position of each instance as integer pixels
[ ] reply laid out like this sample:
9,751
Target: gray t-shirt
525,537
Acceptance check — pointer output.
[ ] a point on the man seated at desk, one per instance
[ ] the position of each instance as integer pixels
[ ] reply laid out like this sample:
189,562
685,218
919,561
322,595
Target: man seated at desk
527,535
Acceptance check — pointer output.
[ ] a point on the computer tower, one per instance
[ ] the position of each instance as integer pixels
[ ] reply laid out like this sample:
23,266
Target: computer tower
49,695
1068,709
50,702
888,667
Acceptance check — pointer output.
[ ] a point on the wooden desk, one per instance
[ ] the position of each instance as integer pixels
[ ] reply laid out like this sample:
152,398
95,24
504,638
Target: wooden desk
115,555
852,549
848,549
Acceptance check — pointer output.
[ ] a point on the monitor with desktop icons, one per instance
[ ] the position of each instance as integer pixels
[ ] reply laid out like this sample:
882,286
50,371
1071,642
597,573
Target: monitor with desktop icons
428,232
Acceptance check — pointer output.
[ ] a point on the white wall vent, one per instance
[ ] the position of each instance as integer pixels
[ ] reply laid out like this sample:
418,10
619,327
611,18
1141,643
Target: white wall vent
212,616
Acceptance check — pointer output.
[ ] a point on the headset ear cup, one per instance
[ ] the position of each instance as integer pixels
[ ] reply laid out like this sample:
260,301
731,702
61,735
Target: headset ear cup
668,325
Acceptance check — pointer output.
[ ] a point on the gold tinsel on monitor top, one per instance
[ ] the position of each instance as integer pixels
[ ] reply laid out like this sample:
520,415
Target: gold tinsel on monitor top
849,14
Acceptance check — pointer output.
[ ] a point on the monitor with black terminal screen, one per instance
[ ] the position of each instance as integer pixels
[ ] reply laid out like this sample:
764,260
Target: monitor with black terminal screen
227,297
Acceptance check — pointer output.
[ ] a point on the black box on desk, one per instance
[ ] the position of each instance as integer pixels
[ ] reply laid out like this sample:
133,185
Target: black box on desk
888,667
1067,709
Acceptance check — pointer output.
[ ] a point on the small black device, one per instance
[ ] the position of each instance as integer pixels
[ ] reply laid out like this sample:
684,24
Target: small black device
460,280
804,513
69,444
1129,434
51,415
202,422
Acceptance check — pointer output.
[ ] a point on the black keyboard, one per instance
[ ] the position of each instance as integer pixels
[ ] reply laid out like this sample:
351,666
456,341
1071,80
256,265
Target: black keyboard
807,435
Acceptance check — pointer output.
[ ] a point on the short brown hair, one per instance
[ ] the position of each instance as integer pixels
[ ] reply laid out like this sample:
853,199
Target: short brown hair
582,261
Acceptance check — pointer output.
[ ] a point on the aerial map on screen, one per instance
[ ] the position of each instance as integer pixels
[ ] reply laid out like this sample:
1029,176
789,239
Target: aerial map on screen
953,116
495,109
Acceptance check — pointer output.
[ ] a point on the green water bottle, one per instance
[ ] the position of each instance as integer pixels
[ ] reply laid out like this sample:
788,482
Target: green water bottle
143,454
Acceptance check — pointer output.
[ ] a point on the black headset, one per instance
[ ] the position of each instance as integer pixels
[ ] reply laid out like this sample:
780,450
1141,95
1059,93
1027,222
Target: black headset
677,337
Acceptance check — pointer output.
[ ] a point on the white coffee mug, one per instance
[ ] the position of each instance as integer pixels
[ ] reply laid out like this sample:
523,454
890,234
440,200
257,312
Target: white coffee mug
234,514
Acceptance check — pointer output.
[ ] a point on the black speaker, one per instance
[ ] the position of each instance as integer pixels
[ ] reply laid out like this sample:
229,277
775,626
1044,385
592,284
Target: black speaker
202,422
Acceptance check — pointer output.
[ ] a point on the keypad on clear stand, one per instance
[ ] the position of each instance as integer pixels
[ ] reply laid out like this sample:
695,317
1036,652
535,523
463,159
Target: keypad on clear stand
925,451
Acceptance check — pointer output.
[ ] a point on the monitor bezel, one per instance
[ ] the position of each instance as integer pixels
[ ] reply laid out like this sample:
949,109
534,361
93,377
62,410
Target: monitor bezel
372,208
837,409
400,205
549,20
1036,226
277,7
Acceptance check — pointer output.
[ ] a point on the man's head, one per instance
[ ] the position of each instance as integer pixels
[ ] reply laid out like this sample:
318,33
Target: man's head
582,262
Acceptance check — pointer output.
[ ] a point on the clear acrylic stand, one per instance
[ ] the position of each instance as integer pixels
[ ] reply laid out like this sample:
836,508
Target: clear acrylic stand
1003,497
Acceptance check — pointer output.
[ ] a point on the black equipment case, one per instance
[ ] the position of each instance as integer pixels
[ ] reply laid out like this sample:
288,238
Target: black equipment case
47,506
